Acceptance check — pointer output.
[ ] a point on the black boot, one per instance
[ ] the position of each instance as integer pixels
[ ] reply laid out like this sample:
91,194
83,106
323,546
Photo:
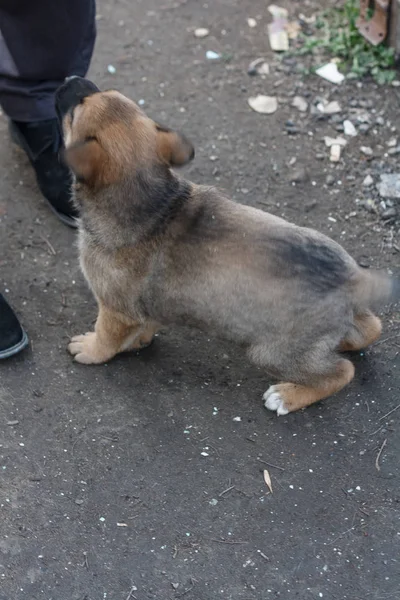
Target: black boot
13,338
41,141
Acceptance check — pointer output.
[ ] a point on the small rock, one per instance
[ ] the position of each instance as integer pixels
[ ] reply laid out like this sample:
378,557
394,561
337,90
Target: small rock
299,175
394,151
392,142
320,156
368,181
364,128
111,69
310,205
389,186
335,152
291,128
349,128
258,67
366,150
330,73
370,206
339,141
175,585
78,501
251,22
201,32
263,104
330,180
380,121
211,55
300,103
389,213
332,108
12,423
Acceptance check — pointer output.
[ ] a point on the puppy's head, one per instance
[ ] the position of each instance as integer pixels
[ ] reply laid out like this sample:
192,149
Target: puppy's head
107,136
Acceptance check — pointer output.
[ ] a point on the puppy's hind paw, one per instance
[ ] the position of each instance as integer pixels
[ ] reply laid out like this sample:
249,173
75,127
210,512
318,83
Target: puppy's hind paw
274,401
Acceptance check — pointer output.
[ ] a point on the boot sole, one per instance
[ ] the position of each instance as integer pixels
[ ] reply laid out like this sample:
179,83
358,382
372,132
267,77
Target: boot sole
17,348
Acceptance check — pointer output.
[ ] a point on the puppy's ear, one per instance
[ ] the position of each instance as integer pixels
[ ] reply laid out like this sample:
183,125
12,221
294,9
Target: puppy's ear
173,147
86,160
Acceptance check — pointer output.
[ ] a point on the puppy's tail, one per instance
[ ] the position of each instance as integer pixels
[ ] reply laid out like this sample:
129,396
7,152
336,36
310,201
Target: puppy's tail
375,289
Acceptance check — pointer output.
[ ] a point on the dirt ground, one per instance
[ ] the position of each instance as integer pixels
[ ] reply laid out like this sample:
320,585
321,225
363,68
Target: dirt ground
143,479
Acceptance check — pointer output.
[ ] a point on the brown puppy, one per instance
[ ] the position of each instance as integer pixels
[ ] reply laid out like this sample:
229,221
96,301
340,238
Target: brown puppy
157,250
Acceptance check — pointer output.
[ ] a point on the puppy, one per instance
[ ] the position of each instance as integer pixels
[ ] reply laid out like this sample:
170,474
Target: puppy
157,250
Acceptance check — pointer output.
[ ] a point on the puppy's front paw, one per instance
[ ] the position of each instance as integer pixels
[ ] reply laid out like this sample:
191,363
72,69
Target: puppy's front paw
273,400
85,349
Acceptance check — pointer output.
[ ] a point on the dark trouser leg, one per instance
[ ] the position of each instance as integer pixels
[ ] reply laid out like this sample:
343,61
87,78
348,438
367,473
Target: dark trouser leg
41,43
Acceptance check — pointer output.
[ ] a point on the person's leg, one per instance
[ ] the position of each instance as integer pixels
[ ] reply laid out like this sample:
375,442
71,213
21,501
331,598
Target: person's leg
41,43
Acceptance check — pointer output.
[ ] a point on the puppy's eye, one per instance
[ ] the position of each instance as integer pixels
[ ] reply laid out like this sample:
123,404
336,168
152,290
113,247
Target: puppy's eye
91,138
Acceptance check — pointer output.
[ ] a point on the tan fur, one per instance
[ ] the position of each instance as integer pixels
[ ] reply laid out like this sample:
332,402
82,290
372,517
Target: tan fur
157,250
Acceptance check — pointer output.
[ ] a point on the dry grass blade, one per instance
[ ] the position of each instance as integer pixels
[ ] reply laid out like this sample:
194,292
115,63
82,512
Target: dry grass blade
267,480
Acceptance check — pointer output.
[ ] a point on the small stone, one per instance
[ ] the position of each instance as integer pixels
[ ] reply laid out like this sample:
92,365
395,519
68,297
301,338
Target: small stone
332,108
258,67
368,181
364,128
389,213
111,69
335,152
298,175
300,103
389,186
320,156
175,585
291,128
380,121
349,128
330,180
263,104
394,151
339,141
78,501
370,206
367,150
12,423
211,55
201,32
251,22
392,142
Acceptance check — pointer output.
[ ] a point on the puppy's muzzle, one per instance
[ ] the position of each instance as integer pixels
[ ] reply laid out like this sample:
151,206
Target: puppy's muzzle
72,92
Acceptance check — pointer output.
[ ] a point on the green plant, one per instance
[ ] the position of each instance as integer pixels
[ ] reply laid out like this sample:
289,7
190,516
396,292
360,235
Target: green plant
338,36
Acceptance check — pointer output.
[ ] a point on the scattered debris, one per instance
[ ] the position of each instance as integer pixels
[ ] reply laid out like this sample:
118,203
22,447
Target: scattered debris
211,55
238,419
336,151
300,103
377,465
122,524
299,175
175,585
251,22
267,480
258,67
368,181
330,73
339,141
293,29
12,423
213,502
277,34
330,180
201,32
349,129
111,69
366,150
389,186
291,128
330,108
204,453
263,104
